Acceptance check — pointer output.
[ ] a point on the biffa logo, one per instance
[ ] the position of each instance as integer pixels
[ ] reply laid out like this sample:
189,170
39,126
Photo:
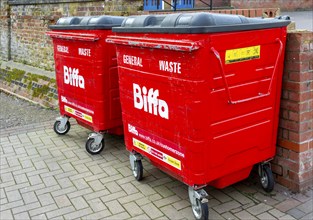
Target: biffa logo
72,78
149,102
132,129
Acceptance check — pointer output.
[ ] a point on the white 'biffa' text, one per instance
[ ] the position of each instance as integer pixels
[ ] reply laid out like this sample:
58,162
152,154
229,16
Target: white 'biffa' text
149,102
72,78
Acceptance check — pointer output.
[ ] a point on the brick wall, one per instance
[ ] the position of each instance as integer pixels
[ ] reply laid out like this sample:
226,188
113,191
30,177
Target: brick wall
259,12
23,41
215,3
29,82
294,161
4,39
30,20
284,5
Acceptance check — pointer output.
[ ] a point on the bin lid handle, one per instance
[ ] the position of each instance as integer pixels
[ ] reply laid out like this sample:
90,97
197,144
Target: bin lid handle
73,36
260,95
176,45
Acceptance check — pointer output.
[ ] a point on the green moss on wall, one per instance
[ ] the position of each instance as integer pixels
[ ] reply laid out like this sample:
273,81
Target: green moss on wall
41,91
29,85
29,79
14,74
53,81
36,78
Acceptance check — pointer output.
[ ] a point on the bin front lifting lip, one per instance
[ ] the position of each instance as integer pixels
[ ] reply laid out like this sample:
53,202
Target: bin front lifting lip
73,36
176,45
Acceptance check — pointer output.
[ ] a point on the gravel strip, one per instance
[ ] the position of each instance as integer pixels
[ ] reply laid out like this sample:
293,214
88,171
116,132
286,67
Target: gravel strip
18,112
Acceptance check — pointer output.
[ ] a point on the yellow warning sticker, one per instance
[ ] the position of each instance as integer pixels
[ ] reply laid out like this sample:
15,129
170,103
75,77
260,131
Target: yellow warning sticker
78,113
157,154
242,54
69,110
172,161
140,145
87,117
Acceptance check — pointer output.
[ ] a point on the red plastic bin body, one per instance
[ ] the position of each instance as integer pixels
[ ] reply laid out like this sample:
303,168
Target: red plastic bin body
176,108
87,79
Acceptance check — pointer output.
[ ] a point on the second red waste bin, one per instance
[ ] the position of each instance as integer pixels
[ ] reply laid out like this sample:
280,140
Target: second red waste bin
200,96
87,79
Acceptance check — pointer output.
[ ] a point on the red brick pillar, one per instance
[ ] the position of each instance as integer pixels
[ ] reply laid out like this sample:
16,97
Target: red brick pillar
293,164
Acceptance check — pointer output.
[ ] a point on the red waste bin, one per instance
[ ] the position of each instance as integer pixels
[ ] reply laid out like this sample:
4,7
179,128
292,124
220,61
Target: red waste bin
87,79
200,96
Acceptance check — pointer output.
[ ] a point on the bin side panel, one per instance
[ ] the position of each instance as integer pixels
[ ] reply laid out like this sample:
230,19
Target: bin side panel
87,87
249,126
245,130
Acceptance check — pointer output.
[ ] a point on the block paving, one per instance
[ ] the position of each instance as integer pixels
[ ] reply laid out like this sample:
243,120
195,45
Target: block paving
46,176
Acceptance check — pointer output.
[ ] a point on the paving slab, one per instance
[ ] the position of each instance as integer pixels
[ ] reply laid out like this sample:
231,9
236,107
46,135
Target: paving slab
53,177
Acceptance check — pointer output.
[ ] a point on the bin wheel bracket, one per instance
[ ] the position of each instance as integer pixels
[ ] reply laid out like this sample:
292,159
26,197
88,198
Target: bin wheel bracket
266,176
199,203
136,165
61,125
95,143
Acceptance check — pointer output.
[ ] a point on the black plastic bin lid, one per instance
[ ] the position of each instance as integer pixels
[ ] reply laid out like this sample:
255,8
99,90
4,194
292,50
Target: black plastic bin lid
87,23
201,22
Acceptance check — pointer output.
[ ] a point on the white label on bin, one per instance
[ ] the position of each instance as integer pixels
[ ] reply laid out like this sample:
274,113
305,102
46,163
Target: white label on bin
72,78
169,66
78,114
62,49
74,103
132,60
156,140
149,102
157,154
84,52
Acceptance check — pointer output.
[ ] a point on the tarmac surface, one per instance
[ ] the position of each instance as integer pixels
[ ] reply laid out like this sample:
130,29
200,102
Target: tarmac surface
303,19
46,176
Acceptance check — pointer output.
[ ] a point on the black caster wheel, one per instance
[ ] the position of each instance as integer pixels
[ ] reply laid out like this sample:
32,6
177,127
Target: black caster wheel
267,178
59,130
199,209
138,170
93,148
